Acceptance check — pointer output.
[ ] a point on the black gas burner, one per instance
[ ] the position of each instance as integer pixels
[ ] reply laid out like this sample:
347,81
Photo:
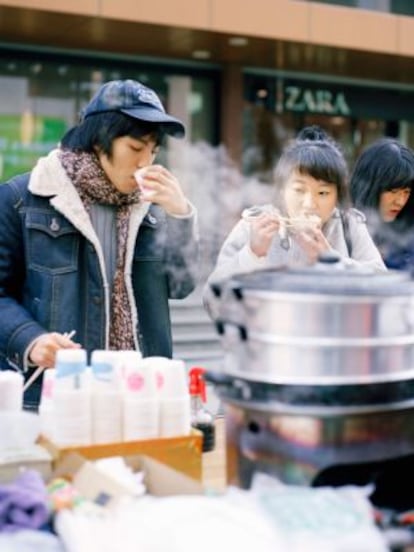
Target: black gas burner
355,394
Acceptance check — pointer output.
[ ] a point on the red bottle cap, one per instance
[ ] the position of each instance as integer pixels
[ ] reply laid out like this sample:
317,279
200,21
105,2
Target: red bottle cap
197,383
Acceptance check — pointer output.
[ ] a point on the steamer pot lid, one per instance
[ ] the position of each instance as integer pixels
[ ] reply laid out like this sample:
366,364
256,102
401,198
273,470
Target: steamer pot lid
327,278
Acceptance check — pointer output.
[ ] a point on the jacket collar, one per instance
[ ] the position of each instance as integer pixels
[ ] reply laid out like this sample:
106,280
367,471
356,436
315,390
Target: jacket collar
49,179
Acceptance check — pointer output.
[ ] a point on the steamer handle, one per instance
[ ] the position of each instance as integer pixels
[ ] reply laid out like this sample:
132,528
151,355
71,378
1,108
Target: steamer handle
217,378
221,328
237,292
216,289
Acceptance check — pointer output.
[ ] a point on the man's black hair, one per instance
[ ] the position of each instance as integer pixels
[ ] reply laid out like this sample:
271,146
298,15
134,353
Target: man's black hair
100,130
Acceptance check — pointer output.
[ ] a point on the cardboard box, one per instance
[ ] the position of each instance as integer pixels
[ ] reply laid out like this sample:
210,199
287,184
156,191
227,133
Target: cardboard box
101,488
183,454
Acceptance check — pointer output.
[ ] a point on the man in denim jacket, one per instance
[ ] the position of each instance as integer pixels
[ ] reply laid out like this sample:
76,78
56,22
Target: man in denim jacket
89,244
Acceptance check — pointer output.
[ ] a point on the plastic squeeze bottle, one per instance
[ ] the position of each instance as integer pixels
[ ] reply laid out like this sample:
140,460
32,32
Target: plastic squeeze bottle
201,418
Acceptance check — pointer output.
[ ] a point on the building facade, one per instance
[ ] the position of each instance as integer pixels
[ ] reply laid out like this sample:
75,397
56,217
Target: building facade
245,76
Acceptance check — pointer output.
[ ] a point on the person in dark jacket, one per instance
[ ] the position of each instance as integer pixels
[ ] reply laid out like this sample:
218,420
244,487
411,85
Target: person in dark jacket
84,248
381,185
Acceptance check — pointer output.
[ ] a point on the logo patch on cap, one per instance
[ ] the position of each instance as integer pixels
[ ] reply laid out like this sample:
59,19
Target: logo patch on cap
129,94
149,96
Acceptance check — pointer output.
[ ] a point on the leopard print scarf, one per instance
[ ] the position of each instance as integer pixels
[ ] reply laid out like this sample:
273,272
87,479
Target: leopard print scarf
93,186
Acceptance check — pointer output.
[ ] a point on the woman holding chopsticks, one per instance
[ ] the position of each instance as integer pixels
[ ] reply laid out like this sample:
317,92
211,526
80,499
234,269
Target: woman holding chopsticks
310,215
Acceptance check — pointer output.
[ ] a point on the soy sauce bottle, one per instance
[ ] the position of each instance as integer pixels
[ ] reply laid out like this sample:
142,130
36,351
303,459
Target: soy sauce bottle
201,418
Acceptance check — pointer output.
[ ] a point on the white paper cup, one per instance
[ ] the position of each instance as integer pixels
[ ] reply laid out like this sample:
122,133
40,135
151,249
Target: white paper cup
175,416
125,360
107,416
140,380
178,429
140,418
47,419
70,369
147,192
173,377
48,385
104,367
72,416
141,412
11,391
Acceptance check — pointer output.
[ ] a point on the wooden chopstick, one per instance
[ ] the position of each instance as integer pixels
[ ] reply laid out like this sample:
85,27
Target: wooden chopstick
289,222
40,369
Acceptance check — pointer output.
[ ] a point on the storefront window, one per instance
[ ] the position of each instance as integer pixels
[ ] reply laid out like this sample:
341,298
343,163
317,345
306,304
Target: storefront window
277,108
41,97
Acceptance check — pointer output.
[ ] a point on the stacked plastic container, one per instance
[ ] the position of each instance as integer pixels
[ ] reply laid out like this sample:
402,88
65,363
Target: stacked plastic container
141,402
119,397
72,398
106,398
174,398
11,391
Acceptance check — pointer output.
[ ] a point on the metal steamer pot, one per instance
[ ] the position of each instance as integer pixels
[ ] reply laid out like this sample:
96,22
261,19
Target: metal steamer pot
329,322
318,369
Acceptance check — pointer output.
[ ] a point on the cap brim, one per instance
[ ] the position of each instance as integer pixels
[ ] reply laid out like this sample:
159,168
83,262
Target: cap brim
173,127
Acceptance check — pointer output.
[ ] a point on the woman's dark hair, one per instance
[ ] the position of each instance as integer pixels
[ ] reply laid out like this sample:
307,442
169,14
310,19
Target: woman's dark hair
384,165
100,130
320,159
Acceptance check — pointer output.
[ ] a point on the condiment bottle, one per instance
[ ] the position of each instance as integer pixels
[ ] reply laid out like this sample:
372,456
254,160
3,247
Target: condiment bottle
201,418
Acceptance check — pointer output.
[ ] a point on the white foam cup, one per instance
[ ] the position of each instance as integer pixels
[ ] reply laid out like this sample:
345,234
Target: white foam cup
73,418
11,390
140,417
173,376
70,369
147,192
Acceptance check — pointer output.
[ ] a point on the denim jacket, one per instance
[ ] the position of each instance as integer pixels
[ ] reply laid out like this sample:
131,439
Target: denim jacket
52,275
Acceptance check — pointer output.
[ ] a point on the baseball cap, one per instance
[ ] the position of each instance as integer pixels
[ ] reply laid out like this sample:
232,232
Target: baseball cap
136,100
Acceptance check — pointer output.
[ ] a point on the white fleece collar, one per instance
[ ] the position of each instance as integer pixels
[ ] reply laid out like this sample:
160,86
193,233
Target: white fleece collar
49,179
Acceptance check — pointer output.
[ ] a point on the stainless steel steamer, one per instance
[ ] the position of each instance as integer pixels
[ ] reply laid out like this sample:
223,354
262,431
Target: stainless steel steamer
318,370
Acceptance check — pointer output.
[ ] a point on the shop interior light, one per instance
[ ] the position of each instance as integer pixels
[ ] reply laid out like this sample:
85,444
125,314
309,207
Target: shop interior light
201,54
36,68
238,41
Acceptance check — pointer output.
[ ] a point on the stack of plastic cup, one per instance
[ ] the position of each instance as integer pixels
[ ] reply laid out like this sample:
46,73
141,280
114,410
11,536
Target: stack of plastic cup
175,413
46,406
106,398
71,398
141,404
123,359
11,391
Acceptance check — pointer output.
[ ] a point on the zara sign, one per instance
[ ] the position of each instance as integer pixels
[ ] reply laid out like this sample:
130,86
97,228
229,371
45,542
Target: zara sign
317,100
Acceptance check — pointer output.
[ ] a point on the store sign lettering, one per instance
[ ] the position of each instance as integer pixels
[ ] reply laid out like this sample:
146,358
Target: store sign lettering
315,101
